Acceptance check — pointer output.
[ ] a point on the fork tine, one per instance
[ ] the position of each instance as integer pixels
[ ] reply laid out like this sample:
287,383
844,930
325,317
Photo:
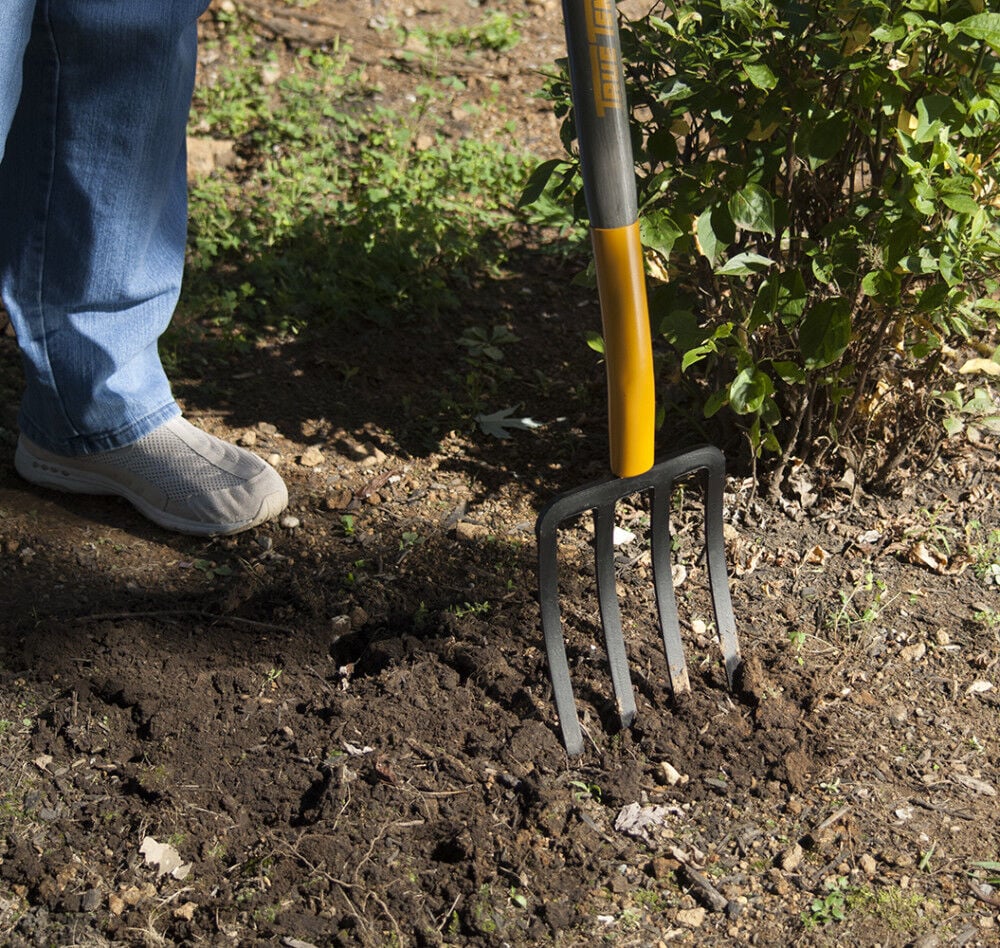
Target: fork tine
555,646
611,620
663,583
715,557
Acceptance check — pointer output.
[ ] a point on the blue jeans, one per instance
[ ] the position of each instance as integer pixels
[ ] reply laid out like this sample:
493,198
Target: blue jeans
93,209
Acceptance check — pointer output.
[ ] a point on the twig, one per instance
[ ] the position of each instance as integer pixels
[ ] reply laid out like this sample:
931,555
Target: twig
709,893
986,897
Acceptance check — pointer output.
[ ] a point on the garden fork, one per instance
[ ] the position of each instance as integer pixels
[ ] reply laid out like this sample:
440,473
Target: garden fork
602,126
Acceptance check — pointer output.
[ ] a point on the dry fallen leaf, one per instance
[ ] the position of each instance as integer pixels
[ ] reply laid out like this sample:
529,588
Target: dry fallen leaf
923,555
817,556
166,859
974,783
980,367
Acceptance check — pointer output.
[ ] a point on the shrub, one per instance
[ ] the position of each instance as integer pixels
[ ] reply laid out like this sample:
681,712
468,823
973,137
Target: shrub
819,206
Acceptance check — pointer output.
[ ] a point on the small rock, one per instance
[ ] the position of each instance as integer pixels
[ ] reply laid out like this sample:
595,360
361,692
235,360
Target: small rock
898,714
265,427
942,637
311,457
338,500
868,865
693,918
204,155
913,653
290,522
791,858
248,439
274,459
116,904
340,625
359,618
374,457
90,901
465,530
186,911
662,867
671,774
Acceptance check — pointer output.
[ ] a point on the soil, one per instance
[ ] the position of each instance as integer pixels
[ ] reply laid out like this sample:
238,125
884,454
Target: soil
338,729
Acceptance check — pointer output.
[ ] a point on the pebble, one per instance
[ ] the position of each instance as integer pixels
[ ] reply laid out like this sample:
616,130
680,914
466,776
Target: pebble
465,530
913,653
791,858
248,439
311,457
693,918
340,625
274,459
868,865
290,522
898,714
671,774
90,901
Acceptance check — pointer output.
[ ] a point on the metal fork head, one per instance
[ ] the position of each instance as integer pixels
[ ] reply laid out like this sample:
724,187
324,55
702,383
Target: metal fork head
601,498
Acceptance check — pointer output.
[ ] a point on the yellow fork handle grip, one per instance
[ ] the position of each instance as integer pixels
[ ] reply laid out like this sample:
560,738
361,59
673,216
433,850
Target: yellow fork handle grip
628,348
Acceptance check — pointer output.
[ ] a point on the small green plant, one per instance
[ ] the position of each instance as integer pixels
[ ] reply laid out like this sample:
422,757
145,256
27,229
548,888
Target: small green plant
985,552
409,540
583,790
830,907
797,640
212,569
988,618
470,609
347,525
992,868
861,605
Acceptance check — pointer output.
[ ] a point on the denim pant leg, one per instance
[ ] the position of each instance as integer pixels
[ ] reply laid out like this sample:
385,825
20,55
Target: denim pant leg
93,209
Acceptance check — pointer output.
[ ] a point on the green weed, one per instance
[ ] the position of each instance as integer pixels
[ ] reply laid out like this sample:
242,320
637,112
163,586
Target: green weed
342,209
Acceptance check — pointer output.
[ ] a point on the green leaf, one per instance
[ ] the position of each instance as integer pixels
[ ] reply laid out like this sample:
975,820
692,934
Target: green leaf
595,340
744,264
658,231
790,372
680,328
782,295
715,232
826,332
752,208
749,389
883,285
983,26
715,402
761,76
819,142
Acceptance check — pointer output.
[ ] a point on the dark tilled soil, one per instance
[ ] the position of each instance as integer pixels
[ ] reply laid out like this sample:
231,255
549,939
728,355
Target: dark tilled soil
342,728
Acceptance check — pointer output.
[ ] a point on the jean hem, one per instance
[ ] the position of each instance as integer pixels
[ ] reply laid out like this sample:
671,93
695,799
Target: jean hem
82,445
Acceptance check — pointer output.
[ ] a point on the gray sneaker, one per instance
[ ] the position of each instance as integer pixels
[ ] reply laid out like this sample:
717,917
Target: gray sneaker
178,476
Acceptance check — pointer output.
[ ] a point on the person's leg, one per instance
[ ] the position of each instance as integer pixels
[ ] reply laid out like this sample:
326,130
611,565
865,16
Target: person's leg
93,212
15,28
93,193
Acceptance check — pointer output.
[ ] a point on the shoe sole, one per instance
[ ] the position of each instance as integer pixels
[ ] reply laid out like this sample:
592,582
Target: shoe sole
71,480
